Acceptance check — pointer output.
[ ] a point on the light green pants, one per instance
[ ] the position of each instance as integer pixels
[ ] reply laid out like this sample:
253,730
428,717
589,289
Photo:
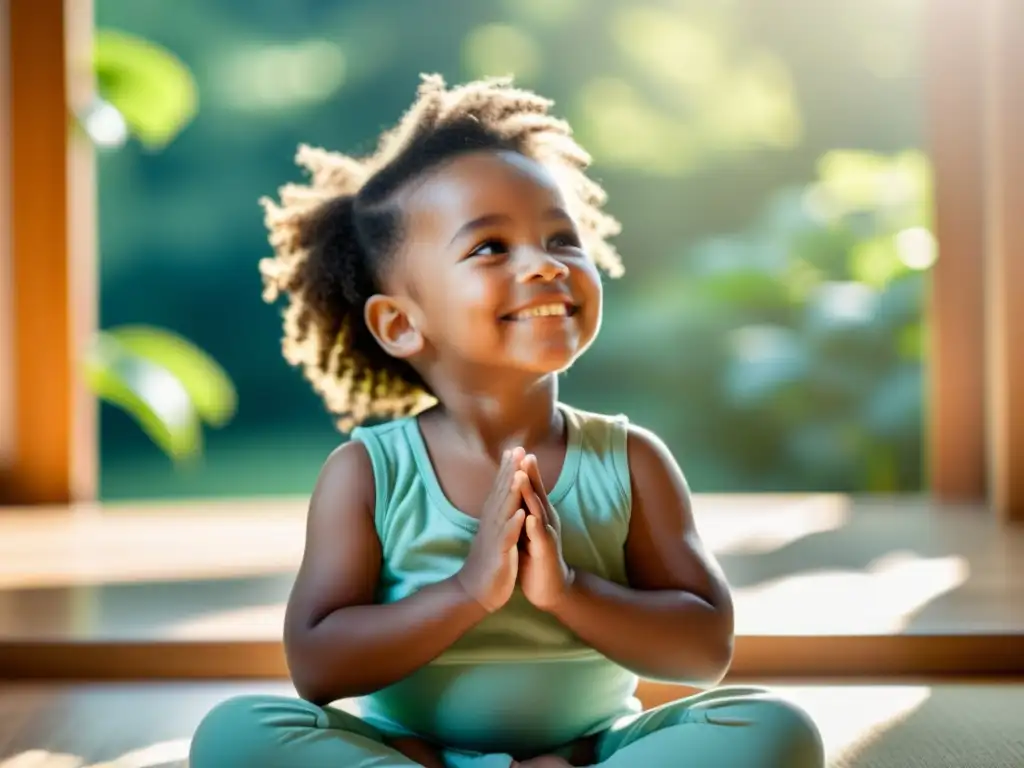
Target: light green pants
723,728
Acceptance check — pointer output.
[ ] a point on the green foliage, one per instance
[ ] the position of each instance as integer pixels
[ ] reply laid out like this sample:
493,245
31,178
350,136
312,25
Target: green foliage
168,385
811,327
147,84
819,366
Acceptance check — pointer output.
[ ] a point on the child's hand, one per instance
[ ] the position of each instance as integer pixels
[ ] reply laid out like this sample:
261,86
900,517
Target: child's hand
543,574
489,573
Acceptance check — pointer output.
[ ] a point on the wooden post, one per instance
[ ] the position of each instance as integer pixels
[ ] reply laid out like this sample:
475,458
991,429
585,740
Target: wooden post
83,250
50,202
6,272
956,443
1005,263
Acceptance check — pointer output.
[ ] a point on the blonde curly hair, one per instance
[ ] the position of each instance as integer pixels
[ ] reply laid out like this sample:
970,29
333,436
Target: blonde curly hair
332,237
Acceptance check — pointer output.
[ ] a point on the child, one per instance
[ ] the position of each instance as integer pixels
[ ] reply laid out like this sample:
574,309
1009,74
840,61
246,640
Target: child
488,571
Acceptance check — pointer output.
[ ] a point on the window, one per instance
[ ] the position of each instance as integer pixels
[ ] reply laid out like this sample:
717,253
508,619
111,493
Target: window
776,190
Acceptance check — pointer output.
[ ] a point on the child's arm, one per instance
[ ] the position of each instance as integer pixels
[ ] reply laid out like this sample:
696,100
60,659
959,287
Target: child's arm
338,642
675,620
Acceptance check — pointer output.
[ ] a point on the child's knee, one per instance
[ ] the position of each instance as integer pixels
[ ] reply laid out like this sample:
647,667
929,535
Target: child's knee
246,731
795,741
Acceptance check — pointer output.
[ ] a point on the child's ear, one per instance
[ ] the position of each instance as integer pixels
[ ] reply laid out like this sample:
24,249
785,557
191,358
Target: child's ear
392,325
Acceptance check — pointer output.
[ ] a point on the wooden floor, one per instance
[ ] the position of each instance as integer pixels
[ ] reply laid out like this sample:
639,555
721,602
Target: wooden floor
824,584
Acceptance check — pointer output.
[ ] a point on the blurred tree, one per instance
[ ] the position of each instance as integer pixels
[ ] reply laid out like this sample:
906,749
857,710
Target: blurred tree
799,342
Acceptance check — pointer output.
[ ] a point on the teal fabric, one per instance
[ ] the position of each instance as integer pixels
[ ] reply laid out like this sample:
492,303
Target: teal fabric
482,694
725,728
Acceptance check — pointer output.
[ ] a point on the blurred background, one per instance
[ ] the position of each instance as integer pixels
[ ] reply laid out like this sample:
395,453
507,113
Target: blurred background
767,168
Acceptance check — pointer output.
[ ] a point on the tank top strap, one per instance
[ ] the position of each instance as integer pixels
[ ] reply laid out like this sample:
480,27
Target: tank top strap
604,458
394,463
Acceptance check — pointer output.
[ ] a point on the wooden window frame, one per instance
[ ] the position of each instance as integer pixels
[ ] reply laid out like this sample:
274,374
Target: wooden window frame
956,444
975,435
1004,141
48,258
975,118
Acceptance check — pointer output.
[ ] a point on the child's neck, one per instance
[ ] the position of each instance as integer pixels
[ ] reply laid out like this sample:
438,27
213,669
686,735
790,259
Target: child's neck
503,418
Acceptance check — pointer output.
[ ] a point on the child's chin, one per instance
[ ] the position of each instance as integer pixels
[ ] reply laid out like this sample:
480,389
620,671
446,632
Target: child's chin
552,360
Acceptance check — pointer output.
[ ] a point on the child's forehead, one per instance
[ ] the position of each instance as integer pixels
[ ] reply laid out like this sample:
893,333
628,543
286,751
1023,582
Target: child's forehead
481,184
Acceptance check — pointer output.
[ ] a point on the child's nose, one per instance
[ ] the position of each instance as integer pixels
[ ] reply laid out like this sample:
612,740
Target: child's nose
536,264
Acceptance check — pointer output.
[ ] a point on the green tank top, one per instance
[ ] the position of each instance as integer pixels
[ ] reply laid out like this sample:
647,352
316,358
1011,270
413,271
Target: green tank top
519,680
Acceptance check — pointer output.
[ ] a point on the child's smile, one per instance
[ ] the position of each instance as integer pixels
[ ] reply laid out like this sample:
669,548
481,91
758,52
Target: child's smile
557,309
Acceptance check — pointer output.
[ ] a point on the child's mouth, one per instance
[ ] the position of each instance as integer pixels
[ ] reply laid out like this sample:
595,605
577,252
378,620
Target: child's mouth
553,310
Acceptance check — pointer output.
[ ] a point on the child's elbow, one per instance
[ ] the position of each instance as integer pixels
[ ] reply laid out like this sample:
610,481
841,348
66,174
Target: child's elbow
308,686
718,660
313,681
720,643
708,659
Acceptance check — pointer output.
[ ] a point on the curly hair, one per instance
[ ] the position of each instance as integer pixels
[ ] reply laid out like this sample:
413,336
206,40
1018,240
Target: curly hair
333,237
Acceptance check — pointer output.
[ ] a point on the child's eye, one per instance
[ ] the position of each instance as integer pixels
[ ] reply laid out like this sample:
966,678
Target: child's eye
564,240
492,247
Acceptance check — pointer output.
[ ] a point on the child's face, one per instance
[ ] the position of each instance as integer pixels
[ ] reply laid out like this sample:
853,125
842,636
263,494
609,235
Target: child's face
494,266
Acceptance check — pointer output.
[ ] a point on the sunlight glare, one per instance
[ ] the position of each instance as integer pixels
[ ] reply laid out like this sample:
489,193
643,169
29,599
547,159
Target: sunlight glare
39,550
772,529
38,758
159,754
917,248
878,600
852,717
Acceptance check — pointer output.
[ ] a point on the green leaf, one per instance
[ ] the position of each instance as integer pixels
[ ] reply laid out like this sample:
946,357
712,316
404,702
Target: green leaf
153,90
892,188
148,393
207,385
876,261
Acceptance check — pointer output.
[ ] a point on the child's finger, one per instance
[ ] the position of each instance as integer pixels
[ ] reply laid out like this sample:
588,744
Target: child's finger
514,526
502,484
520,482
534,504
535,530
533,470
516,456
513,499
506,467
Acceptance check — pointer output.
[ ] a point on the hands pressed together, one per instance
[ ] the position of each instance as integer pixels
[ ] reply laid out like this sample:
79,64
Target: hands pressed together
519,539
